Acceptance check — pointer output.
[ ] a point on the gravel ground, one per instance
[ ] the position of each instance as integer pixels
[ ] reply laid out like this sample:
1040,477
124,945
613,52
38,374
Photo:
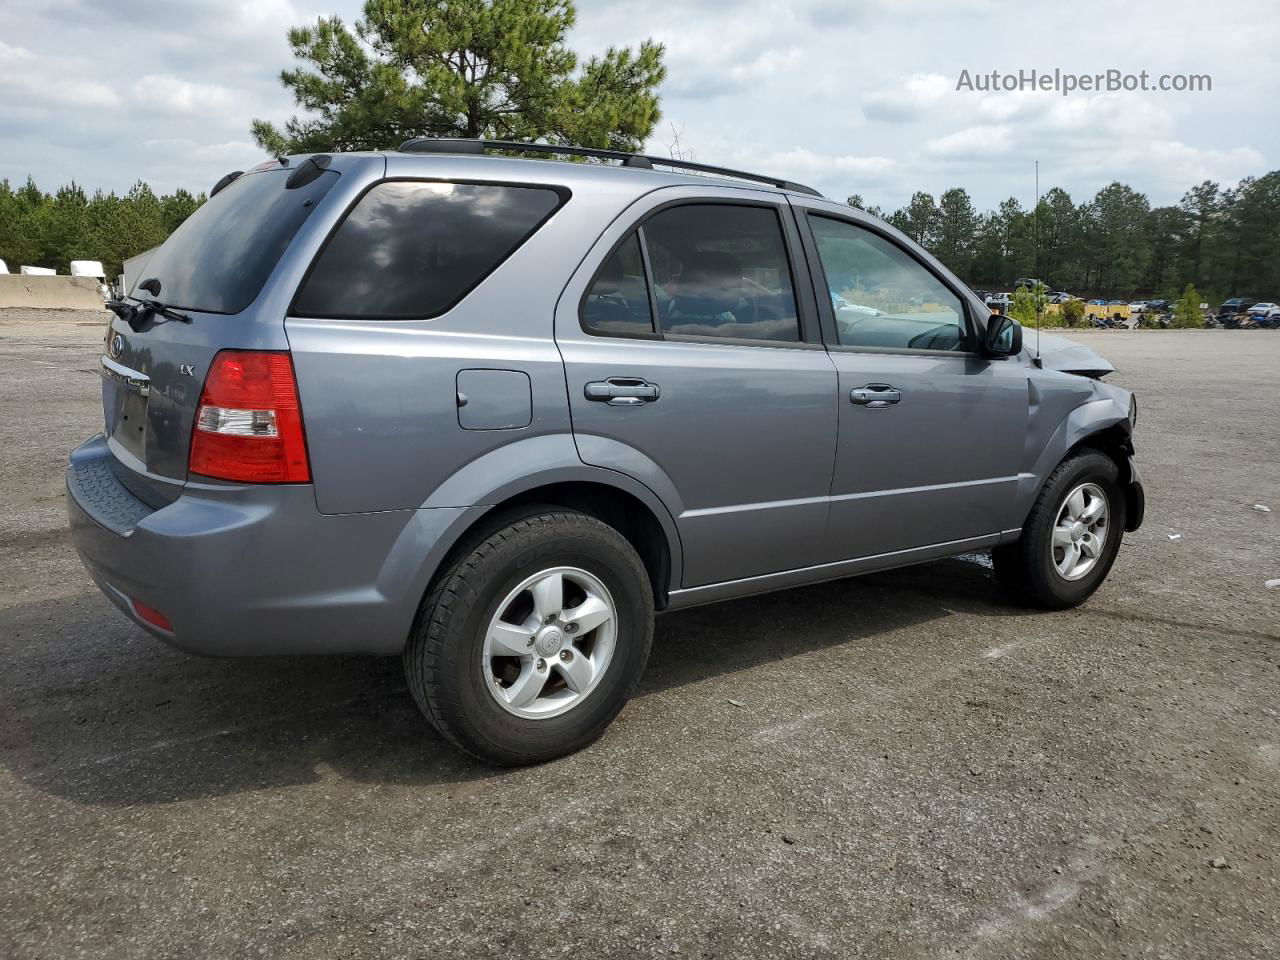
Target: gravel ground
911,769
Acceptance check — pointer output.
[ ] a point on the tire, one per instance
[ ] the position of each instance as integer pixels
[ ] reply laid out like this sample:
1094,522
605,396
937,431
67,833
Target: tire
1029,570
458,676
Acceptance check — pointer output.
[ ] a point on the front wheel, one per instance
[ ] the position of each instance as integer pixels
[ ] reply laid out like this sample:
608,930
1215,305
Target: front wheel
1071,536
529,645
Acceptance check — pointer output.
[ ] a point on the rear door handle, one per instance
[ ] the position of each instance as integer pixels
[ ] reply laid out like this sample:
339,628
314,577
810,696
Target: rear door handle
622,391
875,395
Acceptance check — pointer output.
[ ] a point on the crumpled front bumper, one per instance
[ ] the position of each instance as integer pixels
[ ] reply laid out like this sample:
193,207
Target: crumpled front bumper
1135,499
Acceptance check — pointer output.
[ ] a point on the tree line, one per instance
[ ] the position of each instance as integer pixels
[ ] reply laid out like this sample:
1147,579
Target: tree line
41,229
1224,241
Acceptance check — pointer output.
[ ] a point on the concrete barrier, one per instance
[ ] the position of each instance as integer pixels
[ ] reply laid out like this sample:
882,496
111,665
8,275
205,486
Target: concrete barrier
49,293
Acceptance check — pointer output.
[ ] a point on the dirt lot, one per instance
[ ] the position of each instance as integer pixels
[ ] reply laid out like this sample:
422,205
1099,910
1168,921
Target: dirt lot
916,769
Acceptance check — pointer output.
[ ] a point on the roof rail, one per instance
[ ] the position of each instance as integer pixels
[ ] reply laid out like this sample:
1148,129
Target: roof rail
460,145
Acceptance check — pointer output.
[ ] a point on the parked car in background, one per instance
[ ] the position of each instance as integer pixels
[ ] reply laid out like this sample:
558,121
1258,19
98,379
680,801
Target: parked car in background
1138,306
1028,282
1159,306
1236,305
1268,320
1234,314
1060,296
1263,309
1000,300
491,414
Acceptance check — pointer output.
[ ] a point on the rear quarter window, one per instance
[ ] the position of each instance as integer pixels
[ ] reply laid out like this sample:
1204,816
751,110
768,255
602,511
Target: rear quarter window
413,249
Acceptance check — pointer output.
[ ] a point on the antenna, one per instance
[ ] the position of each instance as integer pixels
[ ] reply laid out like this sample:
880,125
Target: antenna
1035,227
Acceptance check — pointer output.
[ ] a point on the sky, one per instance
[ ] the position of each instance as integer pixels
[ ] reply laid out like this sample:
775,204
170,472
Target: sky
849,97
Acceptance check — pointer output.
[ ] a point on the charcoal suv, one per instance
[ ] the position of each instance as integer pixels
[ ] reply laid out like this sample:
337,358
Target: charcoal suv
491,412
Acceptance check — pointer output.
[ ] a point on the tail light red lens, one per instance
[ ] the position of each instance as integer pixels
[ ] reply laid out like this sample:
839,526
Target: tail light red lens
249,423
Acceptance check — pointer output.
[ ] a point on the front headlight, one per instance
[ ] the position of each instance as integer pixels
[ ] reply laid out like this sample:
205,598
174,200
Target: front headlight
1133,411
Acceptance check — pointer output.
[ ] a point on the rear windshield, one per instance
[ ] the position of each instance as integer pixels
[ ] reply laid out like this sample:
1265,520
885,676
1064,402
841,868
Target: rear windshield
220,257
412,249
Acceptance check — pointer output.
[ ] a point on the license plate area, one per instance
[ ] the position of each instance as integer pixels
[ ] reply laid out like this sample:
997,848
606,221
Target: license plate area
124,395
131,425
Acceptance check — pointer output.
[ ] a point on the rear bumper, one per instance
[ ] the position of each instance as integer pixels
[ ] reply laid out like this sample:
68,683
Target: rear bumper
255,570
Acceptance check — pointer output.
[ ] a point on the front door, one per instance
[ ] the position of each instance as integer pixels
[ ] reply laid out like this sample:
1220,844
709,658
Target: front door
694,364
931,433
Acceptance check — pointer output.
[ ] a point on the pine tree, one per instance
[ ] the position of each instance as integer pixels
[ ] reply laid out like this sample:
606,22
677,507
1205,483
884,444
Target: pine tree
1186,312
497,69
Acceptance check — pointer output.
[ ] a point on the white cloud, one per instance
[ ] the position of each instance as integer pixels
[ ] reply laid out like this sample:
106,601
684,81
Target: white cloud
800,160
34,79
175,95
228,153
918,94
972,142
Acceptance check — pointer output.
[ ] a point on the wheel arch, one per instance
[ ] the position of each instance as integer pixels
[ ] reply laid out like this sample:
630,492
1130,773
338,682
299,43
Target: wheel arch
607,501
1101,425
1116,443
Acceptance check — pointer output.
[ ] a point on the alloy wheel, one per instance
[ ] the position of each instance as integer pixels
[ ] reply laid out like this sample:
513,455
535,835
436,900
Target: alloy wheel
549,643
1080,531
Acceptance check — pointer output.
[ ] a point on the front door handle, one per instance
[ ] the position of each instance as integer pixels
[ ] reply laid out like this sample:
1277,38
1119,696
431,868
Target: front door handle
875,395
622,391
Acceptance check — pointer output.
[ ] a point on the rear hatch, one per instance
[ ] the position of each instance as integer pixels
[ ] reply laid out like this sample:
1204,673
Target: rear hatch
210,271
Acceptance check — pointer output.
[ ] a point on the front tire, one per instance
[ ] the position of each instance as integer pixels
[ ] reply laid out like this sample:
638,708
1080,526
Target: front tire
1071,536
531,642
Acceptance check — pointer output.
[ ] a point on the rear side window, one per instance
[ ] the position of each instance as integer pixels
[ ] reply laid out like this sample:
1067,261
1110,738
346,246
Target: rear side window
220,257
413,249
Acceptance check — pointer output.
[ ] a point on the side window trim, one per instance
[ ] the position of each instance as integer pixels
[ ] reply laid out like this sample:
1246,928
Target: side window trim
647,269
826,312
792,242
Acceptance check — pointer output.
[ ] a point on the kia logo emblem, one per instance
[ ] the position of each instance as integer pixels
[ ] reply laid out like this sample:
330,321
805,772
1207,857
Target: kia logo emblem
116,347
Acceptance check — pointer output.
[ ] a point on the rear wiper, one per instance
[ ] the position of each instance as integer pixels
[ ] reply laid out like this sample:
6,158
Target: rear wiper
136,316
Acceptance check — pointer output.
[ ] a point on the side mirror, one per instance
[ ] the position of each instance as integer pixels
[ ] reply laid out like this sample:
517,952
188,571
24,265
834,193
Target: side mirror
1003,337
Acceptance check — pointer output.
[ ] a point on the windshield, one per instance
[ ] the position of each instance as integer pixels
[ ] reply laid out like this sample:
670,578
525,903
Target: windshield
220,257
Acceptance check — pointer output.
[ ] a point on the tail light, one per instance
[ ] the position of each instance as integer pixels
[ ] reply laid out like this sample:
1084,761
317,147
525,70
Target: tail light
249,423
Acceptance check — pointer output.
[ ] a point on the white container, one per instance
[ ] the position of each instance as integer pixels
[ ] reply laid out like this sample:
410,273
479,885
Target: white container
87,268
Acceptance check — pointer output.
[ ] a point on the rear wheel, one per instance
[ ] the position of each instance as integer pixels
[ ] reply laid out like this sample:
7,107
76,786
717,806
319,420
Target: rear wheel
530,644
1071,536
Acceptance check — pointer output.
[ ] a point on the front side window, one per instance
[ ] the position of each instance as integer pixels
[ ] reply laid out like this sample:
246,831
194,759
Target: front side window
881,295
721,270
413,249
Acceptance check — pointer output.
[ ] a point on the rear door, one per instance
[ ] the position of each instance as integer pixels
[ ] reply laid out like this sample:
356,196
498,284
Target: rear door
694,364
212,271
421,337
931,433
